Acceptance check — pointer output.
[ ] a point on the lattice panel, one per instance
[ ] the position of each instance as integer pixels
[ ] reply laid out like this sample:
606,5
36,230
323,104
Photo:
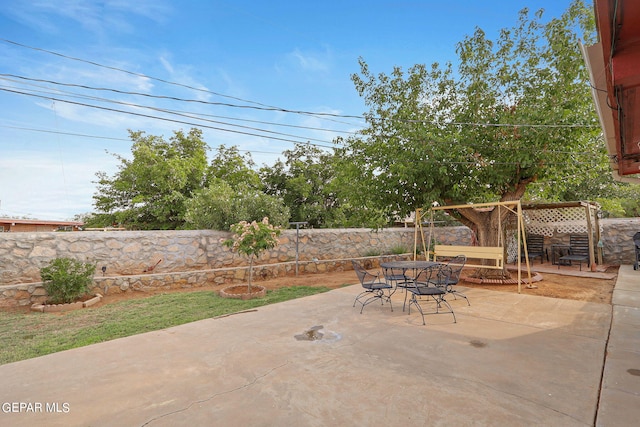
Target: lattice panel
561,220
547,222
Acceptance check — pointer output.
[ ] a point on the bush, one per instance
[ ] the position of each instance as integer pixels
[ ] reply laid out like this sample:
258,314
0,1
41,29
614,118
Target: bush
220,205
67,279
373,252
251,239
399,250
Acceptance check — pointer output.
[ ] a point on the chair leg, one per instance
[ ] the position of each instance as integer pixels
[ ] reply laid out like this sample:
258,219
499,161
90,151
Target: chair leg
387,297
438,301
406,293
454,293
413,300
376,294
441,299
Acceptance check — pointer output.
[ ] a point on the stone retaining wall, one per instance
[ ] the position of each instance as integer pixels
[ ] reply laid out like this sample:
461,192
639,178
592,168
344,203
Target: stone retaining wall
139,252
192,258
34,293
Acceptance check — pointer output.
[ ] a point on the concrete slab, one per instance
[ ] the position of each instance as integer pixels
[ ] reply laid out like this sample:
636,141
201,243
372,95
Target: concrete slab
511,359
626,298
628,279
619,403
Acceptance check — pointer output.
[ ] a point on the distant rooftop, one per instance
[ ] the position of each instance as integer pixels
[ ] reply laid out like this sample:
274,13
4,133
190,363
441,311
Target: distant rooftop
30,225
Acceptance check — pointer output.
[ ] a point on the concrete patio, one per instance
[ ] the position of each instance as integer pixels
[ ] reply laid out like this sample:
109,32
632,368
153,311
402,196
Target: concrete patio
511,359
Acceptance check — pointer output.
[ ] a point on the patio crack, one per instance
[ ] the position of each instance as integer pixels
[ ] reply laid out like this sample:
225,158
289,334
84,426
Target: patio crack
213,396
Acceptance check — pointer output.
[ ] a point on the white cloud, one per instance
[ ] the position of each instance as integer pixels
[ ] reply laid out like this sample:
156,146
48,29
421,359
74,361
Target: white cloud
166,64
98,17
311,61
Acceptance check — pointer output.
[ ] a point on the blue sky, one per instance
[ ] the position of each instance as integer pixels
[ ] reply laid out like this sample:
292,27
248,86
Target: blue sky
294,55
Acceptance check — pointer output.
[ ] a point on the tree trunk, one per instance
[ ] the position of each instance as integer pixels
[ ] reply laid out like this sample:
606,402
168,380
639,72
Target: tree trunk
486,227
250,272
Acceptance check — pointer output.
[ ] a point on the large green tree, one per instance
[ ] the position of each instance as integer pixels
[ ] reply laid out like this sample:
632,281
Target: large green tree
233,194
149,190
234,168
304,180
220,205
516,110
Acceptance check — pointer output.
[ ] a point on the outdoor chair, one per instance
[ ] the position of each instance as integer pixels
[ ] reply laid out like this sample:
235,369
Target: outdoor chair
397,278
374,287
451,276
636,243
578,250
535,248
429,283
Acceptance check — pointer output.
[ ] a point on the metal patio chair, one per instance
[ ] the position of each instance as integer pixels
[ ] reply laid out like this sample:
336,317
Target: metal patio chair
398,278
535,248
578,251
451,277
636,243
428,283
374,287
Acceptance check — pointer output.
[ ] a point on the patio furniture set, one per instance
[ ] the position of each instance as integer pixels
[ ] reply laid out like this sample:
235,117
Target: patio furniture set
561,254
433,281
421,282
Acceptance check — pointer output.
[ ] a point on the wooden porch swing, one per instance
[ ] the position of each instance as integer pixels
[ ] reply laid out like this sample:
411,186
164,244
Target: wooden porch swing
491,257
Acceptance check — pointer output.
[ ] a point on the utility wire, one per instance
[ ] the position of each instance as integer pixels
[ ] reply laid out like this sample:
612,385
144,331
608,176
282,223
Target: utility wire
51,98
63,133
174,98
267,107
166,110
84,135
260,106
248,151
194,116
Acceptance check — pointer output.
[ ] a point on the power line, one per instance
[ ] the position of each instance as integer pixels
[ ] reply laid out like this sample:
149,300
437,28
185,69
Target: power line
177,113
273,152
528,125
84,135
274,108
260,105
51,98
174,98
161,97
63,133
195,116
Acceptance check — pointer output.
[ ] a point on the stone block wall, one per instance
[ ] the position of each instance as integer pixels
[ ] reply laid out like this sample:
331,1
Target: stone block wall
141,252
617,239
140,260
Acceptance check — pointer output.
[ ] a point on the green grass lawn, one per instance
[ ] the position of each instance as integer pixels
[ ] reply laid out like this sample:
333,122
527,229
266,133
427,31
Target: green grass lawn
27,335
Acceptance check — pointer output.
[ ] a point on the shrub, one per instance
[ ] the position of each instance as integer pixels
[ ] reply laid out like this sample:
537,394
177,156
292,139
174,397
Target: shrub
399,250
373,252
251,239
66,279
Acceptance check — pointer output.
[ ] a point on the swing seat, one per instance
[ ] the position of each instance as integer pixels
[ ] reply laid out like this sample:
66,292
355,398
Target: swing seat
495,254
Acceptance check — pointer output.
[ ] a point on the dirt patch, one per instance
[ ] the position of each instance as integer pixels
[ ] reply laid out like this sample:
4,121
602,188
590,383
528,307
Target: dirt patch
552,285
558,286
561,286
